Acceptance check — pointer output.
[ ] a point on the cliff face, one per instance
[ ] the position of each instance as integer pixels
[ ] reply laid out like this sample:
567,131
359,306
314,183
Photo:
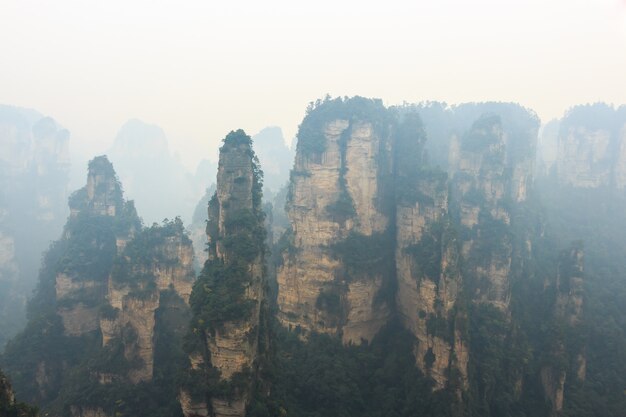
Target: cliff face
159,260
229,297
34,165
112,297
426,259
92,238
591,147
336,193
480,189
373,221
568,312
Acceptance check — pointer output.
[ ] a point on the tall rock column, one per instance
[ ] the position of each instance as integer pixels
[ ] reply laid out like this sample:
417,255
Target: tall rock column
481,190
426,258
99,220
228,298
336,271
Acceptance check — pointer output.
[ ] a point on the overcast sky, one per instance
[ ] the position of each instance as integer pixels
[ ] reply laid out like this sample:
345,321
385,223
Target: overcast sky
199,69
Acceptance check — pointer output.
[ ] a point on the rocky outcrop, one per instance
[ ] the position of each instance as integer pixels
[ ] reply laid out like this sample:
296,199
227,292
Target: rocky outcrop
337,189
81,286
426,259
592,148
585,157
229,297
157,260
480,190
493,167
108,278
361,185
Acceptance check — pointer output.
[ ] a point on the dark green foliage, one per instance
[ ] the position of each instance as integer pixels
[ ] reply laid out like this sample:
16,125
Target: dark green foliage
72,364
482,134
218,295
108,312
329,300
492,240
364,256
342,209
409,139
284,246
311,139
598,217
8,406
91,248
596,116
245,234
427,252
147,249
323,378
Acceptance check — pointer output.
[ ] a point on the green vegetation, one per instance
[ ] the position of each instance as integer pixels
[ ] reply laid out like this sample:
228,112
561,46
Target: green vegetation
8,406
148,249
364,256
321,377
427,252
55,370
482,134
311,139
219,294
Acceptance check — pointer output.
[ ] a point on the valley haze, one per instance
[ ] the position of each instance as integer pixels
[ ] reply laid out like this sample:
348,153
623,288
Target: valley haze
283,209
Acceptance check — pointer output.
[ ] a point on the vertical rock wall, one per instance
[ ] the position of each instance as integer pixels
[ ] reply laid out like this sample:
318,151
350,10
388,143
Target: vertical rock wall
334,193
230,293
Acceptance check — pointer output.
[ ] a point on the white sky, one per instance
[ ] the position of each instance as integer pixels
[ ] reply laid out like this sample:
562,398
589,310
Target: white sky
200,68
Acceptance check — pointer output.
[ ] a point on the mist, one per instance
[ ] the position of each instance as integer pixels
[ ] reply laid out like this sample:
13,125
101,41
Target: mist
330,209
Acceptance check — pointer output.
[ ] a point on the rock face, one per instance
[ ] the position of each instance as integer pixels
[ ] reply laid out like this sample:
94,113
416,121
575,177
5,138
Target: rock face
81,287
112,294
592,148
229,297
34,165
135,292
122,302
336,191
481,189
568,310
426,258
368,213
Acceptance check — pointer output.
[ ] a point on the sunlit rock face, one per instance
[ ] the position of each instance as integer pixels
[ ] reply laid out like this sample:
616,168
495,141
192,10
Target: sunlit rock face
362,181
228,343
34,165
336,191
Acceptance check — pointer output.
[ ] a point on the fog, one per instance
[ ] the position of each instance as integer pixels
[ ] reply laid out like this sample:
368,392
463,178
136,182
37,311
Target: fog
458,168
198,69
